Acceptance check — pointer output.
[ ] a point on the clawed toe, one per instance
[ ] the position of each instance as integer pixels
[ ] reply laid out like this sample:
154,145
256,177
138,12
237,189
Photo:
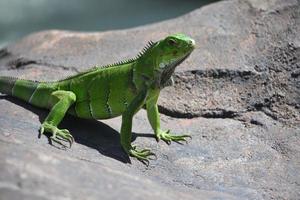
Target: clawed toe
59,136
168,138
143,155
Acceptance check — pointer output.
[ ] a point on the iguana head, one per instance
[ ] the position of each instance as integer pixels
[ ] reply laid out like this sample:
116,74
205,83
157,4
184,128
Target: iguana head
158,60
171,51
161,58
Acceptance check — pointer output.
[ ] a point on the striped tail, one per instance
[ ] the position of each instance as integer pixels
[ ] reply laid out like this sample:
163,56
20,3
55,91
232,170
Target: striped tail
22,89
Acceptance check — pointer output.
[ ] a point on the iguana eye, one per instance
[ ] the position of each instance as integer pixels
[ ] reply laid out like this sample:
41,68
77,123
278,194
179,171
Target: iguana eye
172,42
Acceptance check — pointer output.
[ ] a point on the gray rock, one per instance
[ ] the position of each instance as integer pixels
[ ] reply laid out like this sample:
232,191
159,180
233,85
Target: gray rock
238,95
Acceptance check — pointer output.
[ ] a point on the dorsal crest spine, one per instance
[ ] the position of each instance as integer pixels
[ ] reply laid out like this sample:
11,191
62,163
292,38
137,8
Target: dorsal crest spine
95,68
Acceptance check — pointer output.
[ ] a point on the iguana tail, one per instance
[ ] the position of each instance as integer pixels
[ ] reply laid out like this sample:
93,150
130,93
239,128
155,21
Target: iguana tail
20,88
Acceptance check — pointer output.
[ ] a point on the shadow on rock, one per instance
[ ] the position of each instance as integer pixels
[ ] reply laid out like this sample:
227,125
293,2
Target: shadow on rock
91,133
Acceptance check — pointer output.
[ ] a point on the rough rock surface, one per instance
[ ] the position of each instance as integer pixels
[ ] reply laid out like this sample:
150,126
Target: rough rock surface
238,95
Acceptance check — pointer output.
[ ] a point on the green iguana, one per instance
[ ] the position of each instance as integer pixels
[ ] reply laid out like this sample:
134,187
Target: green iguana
109,91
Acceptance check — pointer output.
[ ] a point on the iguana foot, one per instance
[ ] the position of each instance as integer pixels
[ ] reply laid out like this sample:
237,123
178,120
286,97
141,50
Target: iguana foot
58,135
168,138
142,155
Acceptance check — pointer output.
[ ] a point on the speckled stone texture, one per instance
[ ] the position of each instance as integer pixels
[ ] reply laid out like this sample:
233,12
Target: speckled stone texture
238,95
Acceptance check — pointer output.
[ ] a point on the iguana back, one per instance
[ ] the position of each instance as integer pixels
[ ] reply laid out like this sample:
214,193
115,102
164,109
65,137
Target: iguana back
101,93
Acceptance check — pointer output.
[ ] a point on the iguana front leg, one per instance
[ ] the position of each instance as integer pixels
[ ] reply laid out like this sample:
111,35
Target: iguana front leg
134,106
154,119
63,99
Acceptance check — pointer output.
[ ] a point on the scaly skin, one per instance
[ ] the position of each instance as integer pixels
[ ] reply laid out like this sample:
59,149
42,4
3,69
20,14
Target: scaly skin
105,92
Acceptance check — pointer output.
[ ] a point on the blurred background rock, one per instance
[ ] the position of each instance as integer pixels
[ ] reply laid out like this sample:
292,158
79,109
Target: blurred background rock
19,17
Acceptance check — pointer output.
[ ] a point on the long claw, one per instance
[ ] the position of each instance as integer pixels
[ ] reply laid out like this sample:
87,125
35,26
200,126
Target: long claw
145,162
66,139
69,138
154,156
57,141
62,138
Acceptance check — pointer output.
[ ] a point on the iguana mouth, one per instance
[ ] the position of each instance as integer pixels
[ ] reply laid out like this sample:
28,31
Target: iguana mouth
170,68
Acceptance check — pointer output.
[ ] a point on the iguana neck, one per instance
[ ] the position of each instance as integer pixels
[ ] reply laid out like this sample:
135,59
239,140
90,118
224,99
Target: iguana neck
143,70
